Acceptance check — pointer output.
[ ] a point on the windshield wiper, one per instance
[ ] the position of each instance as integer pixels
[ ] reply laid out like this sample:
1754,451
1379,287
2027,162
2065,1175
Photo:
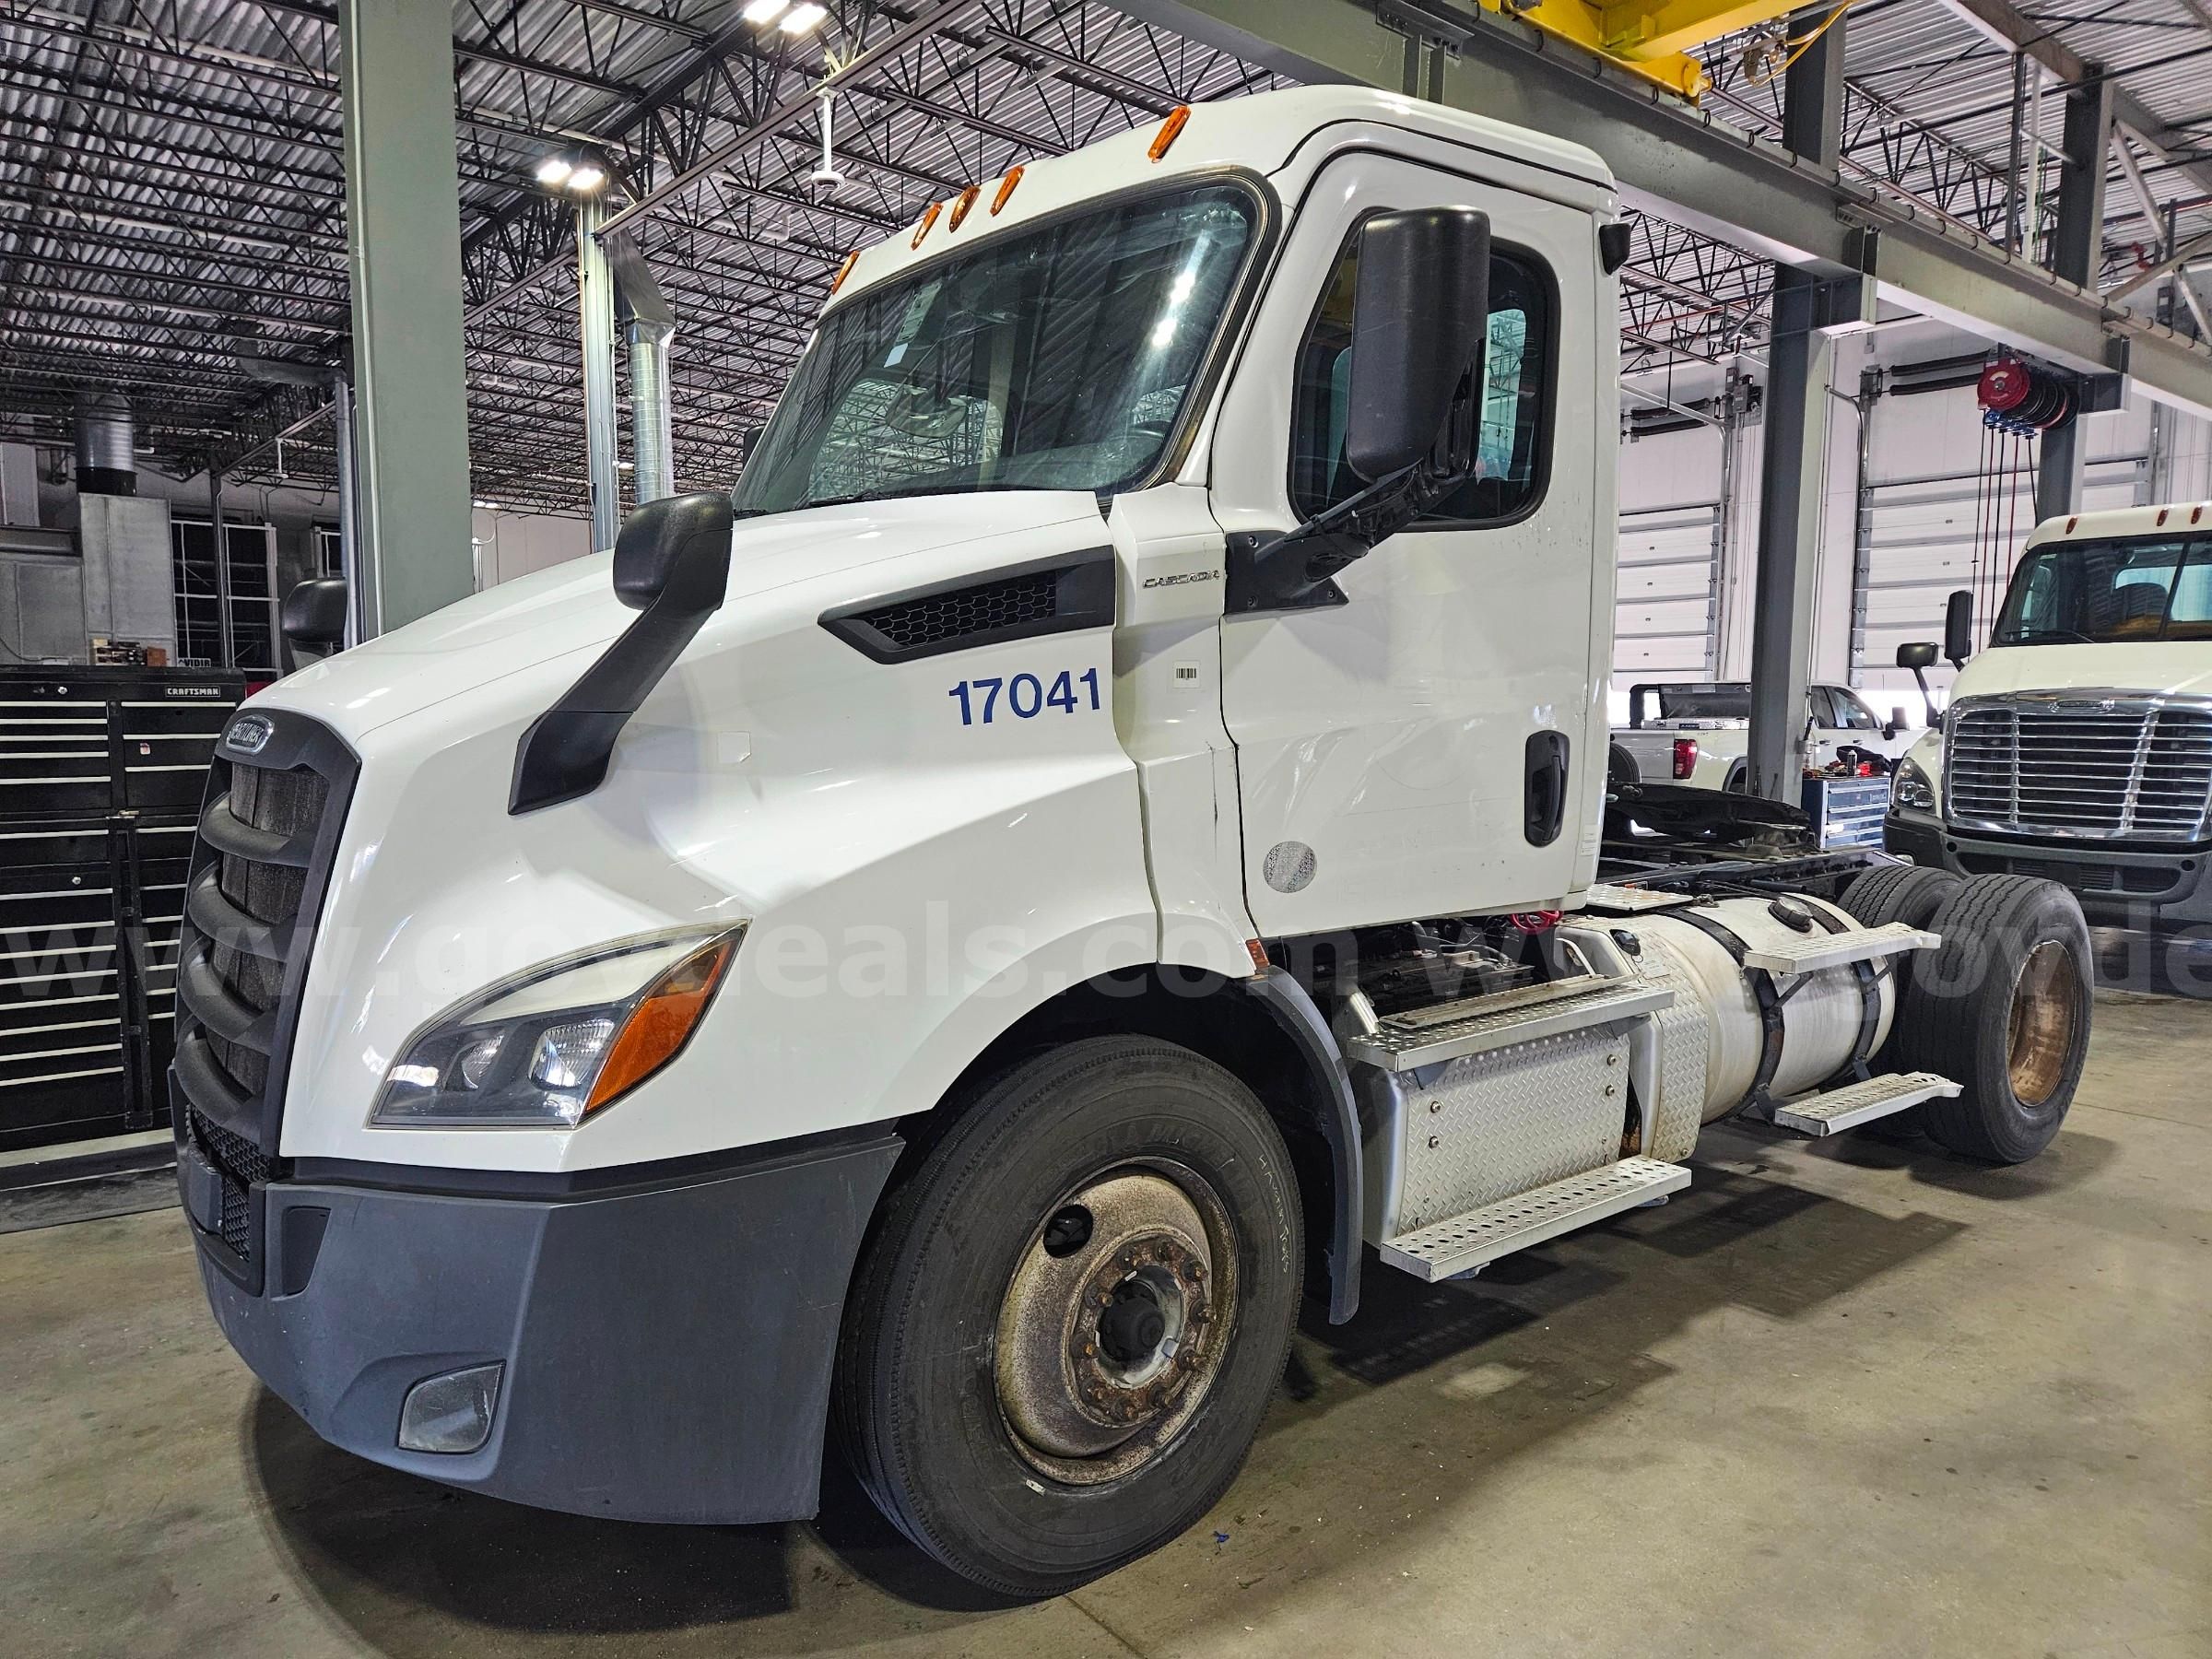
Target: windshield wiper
2043,636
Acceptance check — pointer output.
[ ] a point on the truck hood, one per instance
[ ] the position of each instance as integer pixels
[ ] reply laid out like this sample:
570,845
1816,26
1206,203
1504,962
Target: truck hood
570,611
2172,669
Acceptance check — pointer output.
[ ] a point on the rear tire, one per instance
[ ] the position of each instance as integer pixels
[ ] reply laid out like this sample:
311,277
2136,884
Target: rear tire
1072,1314
2002,1007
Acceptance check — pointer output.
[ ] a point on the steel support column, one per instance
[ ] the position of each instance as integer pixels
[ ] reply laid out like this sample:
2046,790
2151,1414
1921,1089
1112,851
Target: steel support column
226,637
2076,249
403,231
360,591
1800,363
596,301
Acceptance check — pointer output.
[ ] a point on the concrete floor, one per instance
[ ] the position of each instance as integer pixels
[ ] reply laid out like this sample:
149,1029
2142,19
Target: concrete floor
1855,1399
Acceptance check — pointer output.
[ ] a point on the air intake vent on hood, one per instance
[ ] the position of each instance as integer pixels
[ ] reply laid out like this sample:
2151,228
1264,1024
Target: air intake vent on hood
1046,595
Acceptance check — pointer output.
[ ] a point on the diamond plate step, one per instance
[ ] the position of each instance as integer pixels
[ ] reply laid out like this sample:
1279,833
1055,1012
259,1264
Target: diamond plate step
1478,1024
1856,1103
1444,1248
1811,952
1604,897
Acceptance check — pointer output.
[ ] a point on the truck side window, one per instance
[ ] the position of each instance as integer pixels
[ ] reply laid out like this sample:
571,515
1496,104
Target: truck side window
1515,433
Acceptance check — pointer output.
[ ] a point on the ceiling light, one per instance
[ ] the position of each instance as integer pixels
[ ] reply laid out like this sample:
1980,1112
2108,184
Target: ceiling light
764,11
554,170
802,18
586,177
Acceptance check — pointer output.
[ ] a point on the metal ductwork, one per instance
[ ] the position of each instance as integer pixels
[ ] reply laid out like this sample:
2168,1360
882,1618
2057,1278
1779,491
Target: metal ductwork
106,436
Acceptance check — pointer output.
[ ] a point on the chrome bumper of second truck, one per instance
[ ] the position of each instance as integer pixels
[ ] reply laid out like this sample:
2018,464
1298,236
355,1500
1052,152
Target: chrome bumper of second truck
2120,885
664,1346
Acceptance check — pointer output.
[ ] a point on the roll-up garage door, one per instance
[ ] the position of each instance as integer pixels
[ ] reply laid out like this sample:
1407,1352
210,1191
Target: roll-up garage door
1664,614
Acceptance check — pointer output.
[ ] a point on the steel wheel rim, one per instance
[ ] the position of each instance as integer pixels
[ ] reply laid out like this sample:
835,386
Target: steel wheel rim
1107,1347
2040,1032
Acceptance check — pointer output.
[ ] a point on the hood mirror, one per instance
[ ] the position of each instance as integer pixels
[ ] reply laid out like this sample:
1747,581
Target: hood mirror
1919,656
671,564
313,619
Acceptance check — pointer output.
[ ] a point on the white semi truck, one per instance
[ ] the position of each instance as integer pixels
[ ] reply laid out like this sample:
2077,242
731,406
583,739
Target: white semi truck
1099,838
2078,747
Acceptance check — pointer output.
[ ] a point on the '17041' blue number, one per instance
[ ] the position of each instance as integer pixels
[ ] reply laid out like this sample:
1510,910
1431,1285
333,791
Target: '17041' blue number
1026,695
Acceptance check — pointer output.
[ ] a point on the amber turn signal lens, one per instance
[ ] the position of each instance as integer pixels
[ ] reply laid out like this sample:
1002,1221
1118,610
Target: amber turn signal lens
662,1022
1170,130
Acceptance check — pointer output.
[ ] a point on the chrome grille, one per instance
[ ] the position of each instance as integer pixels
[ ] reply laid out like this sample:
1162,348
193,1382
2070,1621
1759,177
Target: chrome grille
2087,768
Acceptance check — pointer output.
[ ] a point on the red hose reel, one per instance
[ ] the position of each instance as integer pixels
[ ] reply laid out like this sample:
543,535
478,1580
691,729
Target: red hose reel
2018,398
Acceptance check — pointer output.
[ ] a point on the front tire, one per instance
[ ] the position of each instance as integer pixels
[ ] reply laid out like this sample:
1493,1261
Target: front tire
1072,1314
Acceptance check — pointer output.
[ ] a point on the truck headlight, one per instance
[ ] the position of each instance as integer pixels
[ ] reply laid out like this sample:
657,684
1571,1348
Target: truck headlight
1910,789
547,1048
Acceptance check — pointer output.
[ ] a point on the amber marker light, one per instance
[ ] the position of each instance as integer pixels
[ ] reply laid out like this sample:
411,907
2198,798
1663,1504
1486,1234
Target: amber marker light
1005,189
959,208
928,219
662,1022
1170,130
844,270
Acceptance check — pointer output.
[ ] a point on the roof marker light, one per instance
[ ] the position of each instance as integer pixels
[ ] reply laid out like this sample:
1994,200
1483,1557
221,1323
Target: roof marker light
959,208
844,270
2195,514
2071,523
1170,130
2161,519
1005,189
928,219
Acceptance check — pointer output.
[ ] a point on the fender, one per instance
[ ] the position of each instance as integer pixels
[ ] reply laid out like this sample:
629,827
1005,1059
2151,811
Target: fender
1289,1005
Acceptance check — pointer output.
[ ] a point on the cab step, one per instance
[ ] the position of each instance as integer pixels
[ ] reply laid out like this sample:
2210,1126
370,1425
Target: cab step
1813,951
1476,1024
1861,1102
1444,1248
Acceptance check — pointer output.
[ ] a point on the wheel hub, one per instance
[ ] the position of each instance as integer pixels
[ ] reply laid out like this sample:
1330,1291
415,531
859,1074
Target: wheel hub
1111,1329
2040,1034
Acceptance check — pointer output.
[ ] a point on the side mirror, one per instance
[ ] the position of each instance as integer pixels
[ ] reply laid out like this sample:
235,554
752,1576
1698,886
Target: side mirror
1899,720
1420,321
672,562
313,618
677,549
1958,628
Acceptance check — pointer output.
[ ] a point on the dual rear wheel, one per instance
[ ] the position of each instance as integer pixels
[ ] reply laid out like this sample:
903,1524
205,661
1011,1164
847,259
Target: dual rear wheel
2001,1008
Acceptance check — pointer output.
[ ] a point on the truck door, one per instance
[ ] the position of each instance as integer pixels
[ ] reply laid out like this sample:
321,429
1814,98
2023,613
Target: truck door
1429,741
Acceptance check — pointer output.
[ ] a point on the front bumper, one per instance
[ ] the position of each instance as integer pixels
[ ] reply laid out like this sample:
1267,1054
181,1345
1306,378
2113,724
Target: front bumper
2118,885
666,1343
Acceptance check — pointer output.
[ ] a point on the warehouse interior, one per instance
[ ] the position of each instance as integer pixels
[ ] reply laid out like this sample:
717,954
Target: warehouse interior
363,308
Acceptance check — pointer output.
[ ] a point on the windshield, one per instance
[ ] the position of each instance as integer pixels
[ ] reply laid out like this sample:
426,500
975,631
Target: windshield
1699,703
1054,360
2091,591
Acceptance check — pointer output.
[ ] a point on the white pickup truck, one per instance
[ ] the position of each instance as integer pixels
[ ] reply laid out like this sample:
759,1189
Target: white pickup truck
2077,747
1700,733
1099,835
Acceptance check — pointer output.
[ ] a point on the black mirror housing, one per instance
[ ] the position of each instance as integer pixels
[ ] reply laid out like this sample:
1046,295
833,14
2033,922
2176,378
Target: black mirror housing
1920,653
1420,320
1958,628
677,548
313,614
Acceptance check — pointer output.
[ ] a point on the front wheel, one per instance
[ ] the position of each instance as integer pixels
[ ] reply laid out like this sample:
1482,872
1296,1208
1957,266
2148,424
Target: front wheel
1072,1316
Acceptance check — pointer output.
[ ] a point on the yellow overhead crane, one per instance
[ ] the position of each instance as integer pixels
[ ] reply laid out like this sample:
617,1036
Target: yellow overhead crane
1653,38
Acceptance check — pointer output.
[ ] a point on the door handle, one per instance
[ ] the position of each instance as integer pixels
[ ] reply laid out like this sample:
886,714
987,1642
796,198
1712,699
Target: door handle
1545,789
